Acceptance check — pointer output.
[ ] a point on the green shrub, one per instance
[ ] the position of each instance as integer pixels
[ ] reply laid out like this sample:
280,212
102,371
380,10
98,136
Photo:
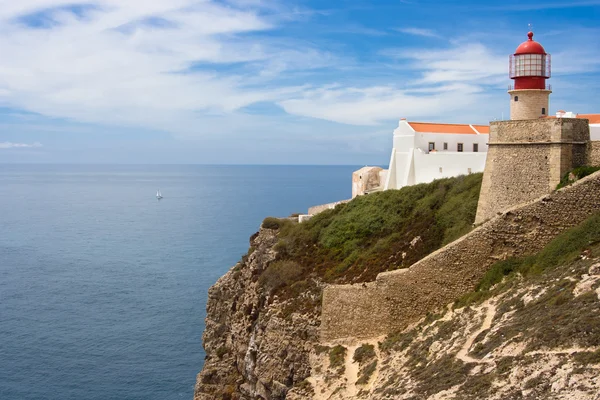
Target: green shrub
372,234
364,353
337,355
588,357
576,174
365,373
275,223
280,273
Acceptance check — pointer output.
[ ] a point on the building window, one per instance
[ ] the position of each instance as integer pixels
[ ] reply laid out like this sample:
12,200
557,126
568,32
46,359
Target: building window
431,146
445,145
475,147
543,111
516,98
460,147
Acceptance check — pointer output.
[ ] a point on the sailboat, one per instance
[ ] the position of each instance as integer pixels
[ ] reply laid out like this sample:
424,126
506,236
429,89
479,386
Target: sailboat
158,195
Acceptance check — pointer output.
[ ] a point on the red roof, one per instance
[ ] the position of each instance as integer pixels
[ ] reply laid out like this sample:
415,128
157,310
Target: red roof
431,127
594,118
530,47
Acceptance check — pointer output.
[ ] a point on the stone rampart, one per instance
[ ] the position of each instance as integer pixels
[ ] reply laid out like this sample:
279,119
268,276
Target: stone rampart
527,159
593,156
401,297
319,209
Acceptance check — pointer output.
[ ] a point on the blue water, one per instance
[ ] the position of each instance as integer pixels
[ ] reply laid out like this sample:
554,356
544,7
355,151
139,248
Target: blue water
103,288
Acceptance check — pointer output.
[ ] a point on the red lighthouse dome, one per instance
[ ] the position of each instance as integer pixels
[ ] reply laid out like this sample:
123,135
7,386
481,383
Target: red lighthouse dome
530,65
530,46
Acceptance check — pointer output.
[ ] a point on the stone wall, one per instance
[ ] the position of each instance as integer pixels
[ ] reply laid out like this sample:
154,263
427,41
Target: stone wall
401,297
365,180
527,158
593,156
530,104
319,209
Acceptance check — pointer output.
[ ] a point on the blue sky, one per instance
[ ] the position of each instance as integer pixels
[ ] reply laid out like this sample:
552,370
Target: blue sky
268,81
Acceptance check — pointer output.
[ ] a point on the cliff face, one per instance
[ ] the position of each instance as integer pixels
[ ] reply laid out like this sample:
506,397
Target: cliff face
530,330
255,348
530,336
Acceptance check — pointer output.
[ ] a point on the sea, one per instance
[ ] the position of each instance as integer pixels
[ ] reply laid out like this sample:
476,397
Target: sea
103,287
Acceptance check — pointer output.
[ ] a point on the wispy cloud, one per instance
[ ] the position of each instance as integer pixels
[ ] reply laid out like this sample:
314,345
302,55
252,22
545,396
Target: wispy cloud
160,64
11,145
419,32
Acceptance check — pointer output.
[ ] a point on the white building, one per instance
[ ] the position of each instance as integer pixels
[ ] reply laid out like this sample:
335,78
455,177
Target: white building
424,151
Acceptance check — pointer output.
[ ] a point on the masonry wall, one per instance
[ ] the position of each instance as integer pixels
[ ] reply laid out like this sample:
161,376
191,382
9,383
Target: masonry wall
401,297
527,158
365,179
593,156
530,104
319,209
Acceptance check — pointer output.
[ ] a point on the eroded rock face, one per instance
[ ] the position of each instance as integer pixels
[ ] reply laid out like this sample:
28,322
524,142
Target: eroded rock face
256,348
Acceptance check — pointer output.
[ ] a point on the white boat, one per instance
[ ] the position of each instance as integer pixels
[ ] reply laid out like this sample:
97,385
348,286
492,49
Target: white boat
158,195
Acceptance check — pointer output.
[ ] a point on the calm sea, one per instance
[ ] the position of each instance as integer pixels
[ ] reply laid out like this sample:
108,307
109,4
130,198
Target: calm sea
103,288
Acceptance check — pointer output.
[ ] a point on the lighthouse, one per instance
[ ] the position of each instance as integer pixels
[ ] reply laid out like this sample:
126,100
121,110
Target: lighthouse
528,155
529,67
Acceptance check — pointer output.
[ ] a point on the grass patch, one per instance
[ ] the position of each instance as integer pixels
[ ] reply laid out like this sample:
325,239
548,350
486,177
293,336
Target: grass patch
576,174
280,273
365,373
588,357
337,355
371,234
275,223
564,249
364,353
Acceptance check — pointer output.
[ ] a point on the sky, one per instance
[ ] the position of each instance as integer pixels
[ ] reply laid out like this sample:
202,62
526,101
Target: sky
269,81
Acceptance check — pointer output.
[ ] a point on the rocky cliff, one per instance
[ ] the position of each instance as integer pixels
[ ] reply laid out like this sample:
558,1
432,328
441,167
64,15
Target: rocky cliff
530,330
256,348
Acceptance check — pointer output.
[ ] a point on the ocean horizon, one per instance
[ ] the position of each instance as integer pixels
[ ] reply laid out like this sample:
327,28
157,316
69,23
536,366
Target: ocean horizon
103,287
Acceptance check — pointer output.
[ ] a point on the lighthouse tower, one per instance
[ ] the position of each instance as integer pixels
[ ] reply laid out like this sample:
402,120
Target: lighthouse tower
529,68
528,156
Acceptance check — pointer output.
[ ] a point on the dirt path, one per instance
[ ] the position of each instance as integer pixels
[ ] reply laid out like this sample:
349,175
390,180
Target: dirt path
351,371
463,353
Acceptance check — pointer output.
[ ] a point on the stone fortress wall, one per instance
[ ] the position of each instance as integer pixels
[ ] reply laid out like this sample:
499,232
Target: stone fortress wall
399,298
527,159
593,154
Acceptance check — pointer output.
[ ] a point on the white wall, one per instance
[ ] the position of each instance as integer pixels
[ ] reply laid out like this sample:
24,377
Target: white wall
423,139
427,166
595,131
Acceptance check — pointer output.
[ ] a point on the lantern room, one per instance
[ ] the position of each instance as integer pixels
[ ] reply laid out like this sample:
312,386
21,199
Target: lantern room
530,65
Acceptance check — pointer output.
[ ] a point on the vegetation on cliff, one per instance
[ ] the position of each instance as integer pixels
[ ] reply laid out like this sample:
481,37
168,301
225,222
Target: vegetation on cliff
379,232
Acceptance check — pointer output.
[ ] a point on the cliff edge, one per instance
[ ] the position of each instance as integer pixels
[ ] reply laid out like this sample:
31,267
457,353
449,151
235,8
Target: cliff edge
530,329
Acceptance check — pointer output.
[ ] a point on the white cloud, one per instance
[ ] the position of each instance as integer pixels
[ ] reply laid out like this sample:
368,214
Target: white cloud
193,67
116,65
10,145
419,32
450,84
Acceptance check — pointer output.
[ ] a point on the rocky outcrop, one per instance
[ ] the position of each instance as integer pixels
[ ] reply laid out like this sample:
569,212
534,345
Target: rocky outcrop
256,347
